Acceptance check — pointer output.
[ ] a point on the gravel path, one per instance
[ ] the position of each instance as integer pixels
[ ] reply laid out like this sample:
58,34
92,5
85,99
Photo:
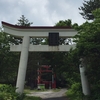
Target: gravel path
50,95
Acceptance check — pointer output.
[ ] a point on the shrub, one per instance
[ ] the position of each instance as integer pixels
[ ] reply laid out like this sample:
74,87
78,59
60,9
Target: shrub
75,92
7,92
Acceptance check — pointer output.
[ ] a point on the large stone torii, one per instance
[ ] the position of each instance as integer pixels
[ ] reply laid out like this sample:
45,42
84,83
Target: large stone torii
25,47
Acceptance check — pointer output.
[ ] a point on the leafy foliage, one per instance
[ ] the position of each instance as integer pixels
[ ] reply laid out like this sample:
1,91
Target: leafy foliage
88,7
75,92
88,45
89,37
65,64
24,22
8,63
66,23
7,92
33,57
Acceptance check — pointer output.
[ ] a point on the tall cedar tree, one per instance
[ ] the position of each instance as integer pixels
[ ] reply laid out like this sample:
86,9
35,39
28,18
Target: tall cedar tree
88,7
33,58
24,22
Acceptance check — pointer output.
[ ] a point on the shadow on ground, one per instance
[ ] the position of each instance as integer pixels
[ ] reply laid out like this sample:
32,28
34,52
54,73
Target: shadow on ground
56,98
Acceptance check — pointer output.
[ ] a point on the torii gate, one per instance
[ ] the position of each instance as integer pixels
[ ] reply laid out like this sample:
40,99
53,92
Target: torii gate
25,47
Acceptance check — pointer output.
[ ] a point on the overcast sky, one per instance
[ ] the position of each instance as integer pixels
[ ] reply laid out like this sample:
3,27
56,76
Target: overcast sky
41,12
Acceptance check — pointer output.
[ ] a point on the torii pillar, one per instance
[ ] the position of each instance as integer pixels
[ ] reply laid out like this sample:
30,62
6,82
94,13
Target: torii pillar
23,65
84,79
25,47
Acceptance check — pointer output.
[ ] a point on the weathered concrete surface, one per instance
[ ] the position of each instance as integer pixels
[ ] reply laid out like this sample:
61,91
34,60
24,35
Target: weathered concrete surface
43,48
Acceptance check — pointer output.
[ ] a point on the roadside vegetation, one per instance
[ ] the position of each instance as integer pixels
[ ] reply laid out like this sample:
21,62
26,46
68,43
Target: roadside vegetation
7,92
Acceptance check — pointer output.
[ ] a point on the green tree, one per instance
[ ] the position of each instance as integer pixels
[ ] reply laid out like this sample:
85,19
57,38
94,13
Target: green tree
34,57
66,23
65,64
88,45
88,7
8,61
24,22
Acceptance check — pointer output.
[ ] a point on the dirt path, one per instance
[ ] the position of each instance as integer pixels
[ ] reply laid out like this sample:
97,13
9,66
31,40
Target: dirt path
50,95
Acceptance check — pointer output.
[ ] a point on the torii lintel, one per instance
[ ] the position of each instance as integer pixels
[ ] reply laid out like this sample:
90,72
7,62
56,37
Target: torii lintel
37,31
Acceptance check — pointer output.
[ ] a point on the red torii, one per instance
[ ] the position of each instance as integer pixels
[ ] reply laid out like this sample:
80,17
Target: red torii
40,81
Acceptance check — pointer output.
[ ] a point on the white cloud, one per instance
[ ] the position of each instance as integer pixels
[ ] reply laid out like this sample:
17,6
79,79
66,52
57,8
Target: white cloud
40,12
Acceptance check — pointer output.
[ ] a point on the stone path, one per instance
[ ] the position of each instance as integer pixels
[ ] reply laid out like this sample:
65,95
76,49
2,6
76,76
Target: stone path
50,95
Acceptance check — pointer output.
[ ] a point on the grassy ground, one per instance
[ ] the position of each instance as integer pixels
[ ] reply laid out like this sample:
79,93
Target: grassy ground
32,98
56,90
